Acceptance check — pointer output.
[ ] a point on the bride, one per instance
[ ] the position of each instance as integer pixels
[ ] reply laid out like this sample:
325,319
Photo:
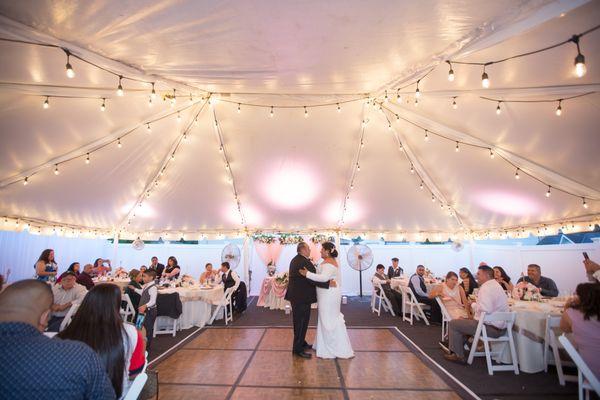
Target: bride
332,338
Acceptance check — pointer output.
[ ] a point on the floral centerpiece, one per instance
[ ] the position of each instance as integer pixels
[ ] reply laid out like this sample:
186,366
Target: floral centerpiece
282,279
271,268
526,291
187,281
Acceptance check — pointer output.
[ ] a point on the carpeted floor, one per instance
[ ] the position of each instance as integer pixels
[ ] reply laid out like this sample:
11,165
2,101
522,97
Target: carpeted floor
502,385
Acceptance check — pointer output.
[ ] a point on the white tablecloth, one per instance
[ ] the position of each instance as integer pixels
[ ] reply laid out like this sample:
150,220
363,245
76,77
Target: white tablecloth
197,305
271,298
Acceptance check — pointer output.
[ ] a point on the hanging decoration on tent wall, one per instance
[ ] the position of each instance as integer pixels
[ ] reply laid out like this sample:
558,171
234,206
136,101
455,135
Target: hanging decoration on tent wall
231,254
320,238
360,258
138,244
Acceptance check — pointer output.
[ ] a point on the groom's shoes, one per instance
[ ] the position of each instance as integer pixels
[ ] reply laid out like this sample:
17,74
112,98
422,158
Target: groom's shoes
302,354
307,346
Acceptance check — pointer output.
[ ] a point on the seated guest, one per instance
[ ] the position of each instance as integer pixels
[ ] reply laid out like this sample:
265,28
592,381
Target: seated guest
503,279
85,277
148,294
208,275
66,293
452,295
228,277
156,266
394,271
419,289
119,345
172,271
45,267
490,299
135,280
582,317
101,267
74,267
468,281
34,366
143,269
592,270
534,276
393,296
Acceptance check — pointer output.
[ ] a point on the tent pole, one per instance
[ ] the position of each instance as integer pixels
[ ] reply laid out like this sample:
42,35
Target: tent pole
115,258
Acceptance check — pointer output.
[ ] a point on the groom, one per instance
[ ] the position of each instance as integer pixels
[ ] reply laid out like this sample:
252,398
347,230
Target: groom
301,293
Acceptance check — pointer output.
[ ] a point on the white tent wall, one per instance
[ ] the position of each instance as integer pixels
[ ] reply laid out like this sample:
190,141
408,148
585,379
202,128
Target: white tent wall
562,263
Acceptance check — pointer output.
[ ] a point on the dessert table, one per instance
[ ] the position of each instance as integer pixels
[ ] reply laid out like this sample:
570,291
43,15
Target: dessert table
197,304
272,294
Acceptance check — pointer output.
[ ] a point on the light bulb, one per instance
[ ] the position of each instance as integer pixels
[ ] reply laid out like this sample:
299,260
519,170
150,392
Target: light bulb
417,93
454,105
339,109
221,149
432,198
87,158
352,187
517,176
46,103
103,106
390,126
185,137
412,169
150,101
56,171
585,205
153,93
357,167
25,182
173,157
580,68
421,186
485,80
120,87
559,109
191,98
69,68
271,113
548,192
362,144
398,96
416,102
305,113
457,149
498,109
148,128
119,145
178,116
491,153
451,75
239,109
426,136
386,99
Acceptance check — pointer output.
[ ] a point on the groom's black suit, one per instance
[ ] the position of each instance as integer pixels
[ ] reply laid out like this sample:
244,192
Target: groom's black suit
301,293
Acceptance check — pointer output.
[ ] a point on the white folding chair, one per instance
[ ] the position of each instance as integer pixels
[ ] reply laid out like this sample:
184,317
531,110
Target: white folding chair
129,311
226,304
412,307
552,351
481,334
169,328
379,299
136,387
586,378
67,320
445,317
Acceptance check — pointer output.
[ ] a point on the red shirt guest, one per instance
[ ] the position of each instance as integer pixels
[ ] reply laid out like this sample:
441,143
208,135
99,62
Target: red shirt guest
118,344
85,277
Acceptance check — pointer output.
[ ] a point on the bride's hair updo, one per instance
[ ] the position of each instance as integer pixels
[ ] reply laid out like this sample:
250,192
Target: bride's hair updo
330,247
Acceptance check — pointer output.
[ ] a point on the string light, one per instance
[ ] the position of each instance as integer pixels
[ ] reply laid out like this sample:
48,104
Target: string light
498,109
416,102
517,176
386,98
191,98
580,68
271,113
103,106
305,112
398,96
352,187
426,135
120,91
457,149
148,128
46,104
239,108
153,93
548,192
417,91
450,72
87,158
389,126
119,145
485,80
174,98
357,166
56,171
584,204
492,154
421,186
432,198
559,109
339,109
412,169
178,116
25,182
173,156
454,105
68,67
150,101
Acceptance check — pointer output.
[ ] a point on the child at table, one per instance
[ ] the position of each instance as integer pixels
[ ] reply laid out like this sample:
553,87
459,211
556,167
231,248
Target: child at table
148,294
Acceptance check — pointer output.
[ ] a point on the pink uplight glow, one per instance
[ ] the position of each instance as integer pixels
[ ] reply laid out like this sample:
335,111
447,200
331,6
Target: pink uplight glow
291,185
507,203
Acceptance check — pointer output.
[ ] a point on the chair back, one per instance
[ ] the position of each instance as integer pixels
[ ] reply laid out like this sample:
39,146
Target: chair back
584,369
67,320
136,387
443,309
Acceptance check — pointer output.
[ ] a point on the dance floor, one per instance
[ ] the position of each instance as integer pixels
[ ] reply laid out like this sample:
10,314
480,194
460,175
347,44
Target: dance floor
256,363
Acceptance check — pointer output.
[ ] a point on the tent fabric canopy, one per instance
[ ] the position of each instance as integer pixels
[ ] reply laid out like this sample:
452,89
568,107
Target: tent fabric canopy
293,170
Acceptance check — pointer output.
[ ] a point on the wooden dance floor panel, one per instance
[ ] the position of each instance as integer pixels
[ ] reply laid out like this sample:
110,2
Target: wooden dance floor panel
257,363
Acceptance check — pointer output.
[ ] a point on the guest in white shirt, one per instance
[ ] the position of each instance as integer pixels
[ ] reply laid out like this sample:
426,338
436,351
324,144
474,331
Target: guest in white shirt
393,296
148,295
66,293
491,298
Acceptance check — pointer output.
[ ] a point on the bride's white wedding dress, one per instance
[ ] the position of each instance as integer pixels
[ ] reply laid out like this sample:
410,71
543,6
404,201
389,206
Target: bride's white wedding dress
332,339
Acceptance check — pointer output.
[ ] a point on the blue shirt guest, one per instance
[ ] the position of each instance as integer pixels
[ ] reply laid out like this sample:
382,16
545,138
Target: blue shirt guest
34,366
534,276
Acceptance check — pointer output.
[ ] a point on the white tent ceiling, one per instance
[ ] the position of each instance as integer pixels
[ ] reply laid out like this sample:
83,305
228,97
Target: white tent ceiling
291,172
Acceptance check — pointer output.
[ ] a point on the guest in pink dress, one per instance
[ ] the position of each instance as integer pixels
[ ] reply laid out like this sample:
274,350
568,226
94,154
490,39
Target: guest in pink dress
582,317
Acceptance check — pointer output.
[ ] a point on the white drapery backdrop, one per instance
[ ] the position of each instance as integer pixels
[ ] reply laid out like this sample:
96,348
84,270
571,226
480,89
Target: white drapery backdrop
563,263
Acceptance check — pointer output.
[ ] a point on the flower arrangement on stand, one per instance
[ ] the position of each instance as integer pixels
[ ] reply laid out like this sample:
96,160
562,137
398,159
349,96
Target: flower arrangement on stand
282,279
271,268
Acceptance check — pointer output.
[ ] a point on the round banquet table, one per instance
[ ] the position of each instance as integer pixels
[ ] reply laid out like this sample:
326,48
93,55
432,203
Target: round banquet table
197,304
529,332
272,294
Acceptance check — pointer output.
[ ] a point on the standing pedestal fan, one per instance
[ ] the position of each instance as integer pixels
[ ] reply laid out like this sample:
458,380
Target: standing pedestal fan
360,258
232,254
